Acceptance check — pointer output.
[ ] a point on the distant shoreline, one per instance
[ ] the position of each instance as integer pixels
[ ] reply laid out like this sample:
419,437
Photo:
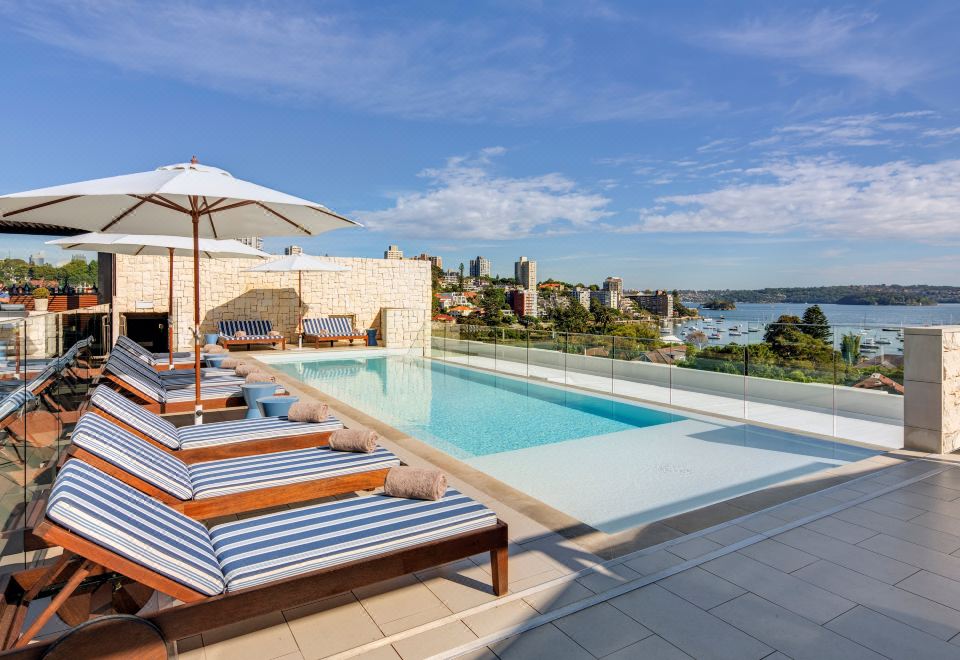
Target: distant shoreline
876,295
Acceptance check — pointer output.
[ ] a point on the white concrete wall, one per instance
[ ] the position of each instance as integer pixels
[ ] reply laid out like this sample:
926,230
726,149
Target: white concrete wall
811,396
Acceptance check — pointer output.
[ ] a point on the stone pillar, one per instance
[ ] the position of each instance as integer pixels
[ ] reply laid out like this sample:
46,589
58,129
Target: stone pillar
931,405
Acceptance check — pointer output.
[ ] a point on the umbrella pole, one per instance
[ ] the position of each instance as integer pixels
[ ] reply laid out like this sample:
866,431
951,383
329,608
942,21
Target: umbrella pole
170,315
197,405
299,309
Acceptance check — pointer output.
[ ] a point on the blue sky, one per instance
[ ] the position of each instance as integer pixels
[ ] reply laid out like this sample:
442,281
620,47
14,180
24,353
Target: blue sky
673,144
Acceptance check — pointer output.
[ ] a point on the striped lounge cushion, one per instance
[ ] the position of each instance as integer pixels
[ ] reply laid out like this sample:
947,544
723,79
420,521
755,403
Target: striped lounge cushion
46,374
116,517
254,329
243,430
236,475
207,391
153,359
185,377
14,401
287,543
135,373
119,447
330,327
153,426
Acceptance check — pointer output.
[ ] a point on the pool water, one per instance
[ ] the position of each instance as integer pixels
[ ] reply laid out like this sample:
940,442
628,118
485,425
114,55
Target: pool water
609,463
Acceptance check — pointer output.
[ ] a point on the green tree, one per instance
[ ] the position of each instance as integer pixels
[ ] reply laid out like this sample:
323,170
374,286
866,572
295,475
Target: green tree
74,273
815,323
571,318
777,329
492,301
850,348
460,278
603,317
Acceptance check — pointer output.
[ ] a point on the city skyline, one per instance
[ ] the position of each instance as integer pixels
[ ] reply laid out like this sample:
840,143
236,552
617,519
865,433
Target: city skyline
740,146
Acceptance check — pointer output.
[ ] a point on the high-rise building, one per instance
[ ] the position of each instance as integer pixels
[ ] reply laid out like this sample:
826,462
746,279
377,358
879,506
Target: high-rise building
434,261
37,260
525,272
292,249
582,295
524,302
256,242
393,252
480,267
658,302
615,286
606,297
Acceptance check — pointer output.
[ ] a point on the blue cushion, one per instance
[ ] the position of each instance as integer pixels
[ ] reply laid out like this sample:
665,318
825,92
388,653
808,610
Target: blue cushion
280,545
119,447
243,430
237,475
153,426
255,329
116,517
335,326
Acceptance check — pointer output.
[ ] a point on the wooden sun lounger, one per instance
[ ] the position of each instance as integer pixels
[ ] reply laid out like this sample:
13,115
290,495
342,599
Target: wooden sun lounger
163,408
331,330
257,333
86,565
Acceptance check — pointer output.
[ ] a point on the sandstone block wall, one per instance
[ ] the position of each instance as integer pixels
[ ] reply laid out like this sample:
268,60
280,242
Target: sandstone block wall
932,389
228,292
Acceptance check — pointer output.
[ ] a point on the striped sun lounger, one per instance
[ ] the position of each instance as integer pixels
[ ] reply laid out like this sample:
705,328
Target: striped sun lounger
242,569
258,332
181,359
205,489
330,329
240,437
143,382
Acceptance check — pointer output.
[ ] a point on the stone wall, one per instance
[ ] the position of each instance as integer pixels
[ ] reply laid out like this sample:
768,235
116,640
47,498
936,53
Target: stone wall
931,381
228,292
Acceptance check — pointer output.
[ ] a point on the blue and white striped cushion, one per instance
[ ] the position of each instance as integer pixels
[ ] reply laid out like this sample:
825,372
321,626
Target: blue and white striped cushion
119,447
135,349
207,391
330,327
243,430
153,426
116,517
287,543
237,475
187,377
255,329
48,372
16,400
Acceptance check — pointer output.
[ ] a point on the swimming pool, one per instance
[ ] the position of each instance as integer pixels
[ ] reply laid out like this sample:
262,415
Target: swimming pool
609,463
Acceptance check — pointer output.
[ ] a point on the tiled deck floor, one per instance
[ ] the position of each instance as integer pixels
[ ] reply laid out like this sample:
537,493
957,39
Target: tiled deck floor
867,569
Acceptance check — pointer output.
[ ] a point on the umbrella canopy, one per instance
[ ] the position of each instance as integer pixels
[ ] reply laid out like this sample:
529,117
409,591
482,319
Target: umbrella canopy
298,263
187,199
156,245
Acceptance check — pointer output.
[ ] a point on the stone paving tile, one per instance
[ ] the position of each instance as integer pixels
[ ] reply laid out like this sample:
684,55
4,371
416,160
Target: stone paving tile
914,555
923,502
602,629
607,578
925,536
730,534
688,627
434,641
889,637
653,647
700,587
477,654
409,621
761,522
654,562
460,585
933,490
780,588
331,625
543,642
933,618
840,529
265,636
790,633
857,557
791,512
776,554
497,618
695,547
938,521
935,587
554,597
890,508
396,598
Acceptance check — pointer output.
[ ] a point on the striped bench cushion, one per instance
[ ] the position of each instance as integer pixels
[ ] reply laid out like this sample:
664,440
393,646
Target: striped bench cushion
185,377
250,337
14,401
254,329
207,391
124,363
237,475
116,517
331,327
154,392
119,447
46,374
153,426
243,430
287,543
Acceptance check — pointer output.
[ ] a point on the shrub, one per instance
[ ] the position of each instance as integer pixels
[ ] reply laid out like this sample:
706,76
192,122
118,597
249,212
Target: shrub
41,292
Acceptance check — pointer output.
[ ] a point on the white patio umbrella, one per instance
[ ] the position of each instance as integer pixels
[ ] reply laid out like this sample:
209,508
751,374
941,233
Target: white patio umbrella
187,199
298,263
155,245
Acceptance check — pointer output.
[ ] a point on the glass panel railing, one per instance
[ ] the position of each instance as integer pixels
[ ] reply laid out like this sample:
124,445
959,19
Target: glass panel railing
546,357
642,367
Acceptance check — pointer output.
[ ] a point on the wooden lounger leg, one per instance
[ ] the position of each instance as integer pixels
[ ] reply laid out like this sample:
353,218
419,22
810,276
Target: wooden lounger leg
498,570
85,569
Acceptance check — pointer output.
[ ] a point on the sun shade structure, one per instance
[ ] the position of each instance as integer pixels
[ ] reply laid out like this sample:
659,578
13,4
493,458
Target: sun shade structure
298,263
187,199
155,245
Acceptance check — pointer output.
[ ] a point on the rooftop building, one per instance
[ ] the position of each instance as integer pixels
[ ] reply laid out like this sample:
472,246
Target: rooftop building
434,260
292,250
393,252
255,242
525,272
659,303
480,267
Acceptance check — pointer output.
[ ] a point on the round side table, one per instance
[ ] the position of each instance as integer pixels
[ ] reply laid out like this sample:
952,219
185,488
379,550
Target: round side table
276,406
254,391
215,360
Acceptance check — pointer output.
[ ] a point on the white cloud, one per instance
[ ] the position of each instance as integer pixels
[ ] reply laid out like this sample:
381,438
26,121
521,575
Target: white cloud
869,130
822,197
943,132
464,200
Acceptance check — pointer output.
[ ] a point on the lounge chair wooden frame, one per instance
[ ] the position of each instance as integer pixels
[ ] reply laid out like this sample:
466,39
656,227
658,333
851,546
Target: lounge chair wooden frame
243,341
333,339
83,559
243,502
229,450
153,405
